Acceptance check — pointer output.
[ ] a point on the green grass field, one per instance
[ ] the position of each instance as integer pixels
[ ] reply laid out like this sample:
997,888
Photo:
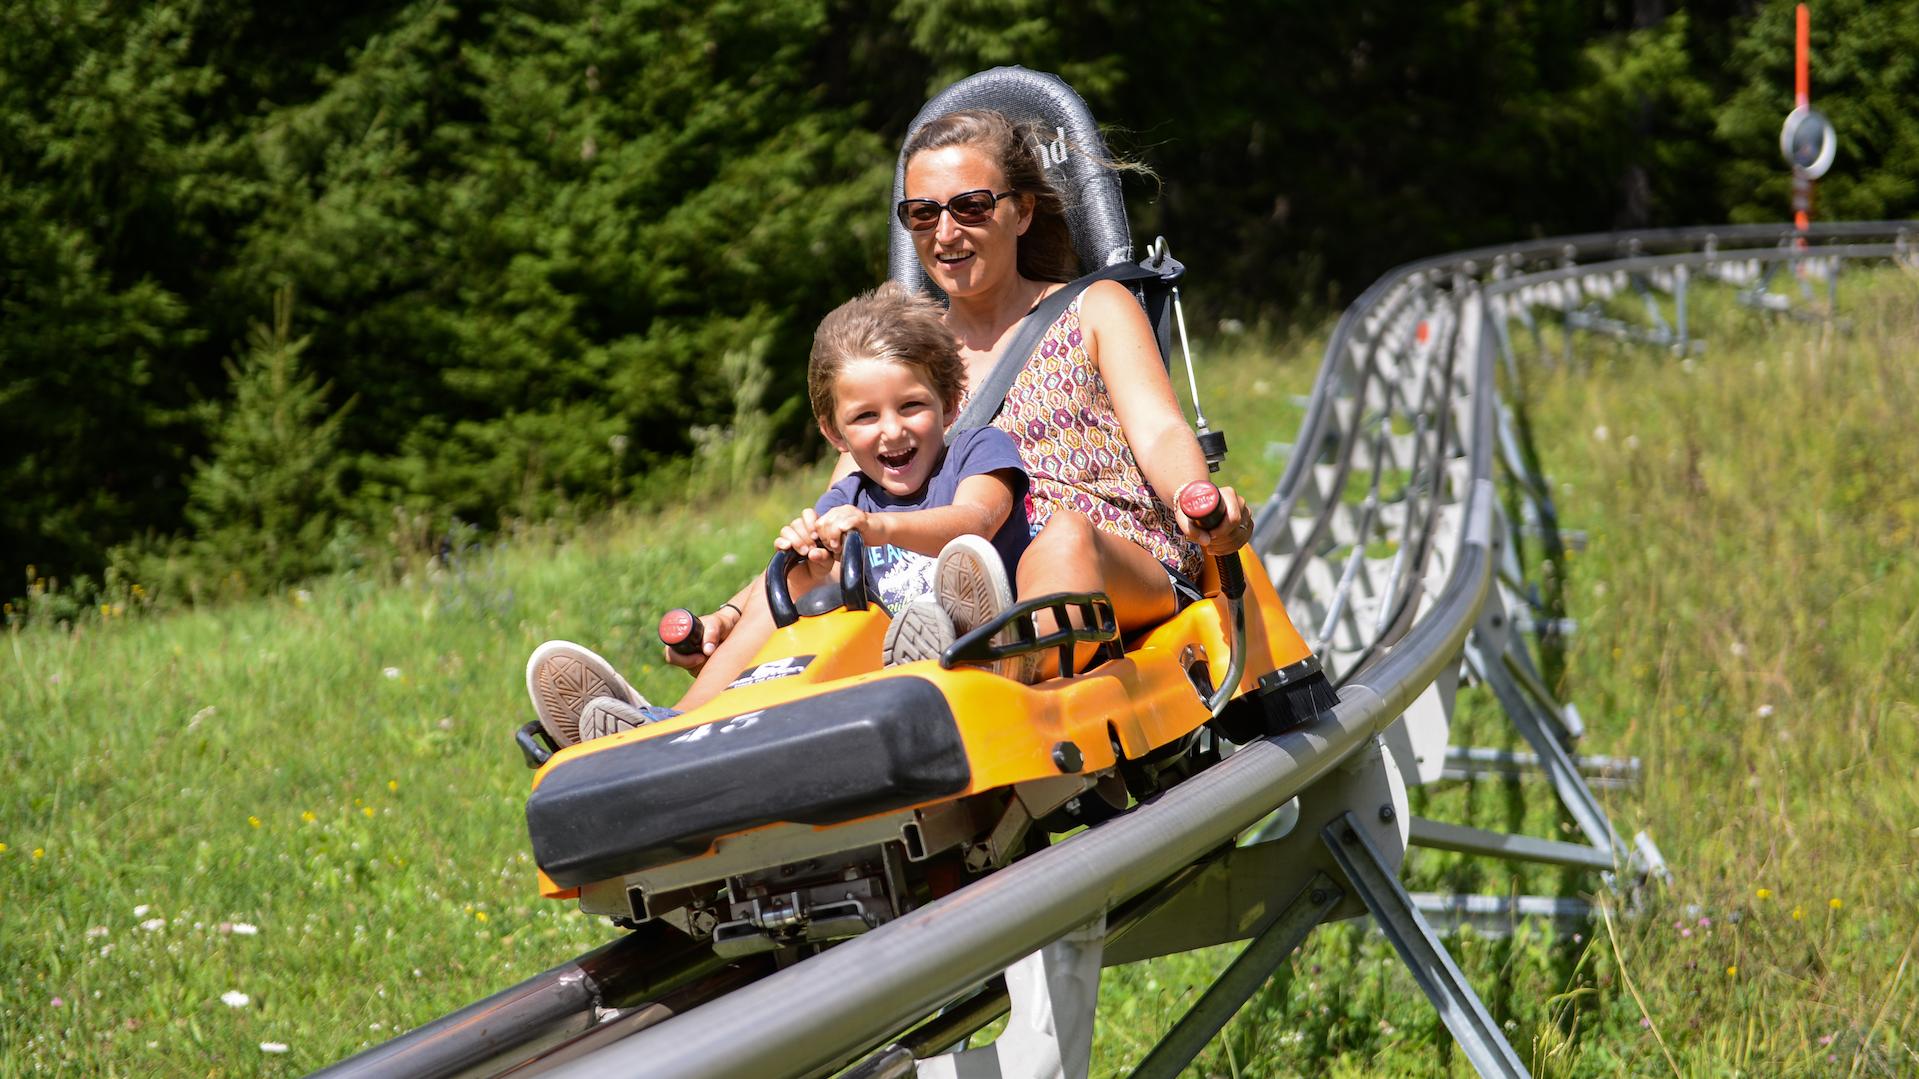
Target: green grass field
312,799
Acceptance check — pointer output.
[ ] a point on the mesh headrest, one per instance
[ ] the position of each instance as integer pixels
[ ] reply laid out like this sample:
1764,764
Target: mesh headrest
1074,156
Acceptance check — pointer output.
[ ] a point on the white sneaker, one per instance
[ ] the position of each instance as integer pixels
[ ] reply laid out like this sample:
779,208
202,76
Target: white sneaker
970,582
562,678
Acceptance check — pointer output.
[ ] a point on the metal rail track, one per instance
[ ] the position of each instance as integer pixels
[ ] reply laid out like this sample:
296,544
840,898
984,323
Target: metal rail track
1388,540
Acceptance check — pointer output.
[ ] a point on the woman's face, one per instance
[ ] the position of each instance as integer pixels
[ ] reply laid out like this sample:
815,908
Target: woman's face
966,260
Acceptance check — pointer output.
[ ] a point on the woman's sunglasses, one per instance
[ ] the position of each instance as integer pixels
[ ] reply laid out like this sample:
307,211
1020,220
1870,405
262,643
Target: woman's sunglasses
967,208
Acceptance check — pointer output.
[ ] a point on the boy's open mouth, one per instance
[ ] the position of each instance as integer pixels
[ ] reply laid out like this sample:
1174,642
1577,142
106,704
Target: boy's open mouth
898,461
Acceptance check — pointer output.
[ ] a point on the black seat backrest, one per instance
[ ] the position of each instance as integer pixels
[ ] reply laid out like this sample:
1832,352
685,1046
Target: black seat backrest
1075,157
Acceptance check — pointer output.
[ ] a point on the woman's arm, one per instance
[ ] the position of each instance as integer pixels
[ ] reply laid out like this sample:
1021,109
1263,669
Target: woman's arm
1120,342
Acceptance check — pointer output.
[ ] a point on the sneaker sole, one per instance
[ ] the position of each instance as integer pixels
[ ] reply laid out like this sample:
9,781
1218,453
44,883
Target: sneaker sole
921,631
605,716
561,678
974,591
969,589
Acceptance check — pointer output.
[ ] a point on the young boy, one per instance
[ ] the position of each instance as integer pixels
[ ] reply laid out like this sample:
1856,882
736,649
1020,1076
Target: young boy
884,381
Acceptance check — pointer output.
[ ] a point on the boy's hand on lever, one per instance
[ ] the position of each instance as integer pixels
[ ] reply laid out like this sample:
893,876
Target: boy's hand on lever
802,537
838,521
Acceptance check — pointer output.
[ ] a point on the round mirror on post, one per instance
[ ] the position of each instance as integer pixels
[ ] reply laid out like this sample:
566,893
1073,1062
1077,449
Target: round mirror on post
1808,142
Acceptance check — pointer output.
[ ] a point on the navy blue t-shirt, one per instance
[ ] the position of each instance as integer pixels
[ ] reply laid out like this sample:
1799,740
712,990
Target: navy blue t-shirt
900,576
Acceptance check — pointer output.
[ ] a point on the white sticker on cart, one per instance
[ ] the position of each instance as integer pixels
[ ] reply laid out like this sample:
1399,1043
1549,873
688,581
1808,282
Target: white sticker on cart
766,672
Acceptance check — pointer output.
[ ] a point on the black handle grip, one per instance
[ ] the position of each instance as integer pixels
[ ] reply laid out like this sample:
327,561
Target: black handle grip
779,599
1232,576
680,630
853,572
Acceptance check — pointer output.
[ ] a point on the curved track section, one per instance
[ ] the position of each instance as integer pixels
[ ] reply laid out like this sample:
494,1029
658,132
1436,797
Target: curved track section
1390,541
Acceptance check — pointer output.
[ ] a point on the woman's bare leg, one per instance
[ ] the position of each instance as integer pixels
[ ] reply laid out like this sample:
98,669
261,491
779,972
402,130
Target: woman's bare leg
1071,555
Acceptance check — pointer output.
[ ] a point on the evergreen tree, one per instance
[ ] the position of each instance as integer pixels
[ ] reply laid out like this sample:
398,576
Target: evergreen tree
265,503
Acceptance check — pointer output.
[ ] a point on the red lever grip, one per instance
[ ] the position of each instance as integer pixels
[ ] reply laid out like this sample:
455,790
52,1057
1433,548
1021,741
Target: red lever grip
1200,502
681,631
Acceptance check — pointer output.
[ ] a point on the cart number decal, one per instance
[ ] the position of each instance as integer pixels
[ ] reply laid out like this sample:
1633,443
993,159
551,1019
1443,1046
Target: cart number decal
737,723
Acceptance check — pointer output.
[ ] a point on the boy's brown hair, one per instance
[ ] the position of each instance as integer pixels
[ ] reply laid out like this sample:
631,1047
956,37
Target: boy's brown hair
888,323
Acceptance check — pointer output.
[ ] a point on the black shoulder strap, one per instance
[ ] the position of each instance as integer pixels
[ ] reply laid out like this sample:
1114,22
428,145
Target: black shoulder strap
989,395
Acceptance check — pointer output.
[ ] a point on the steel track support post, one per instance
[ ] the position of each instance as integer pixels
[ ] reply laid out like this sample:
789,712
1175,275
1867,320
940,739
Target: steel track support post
1460,1008
1682,278
1252,969
1049,1033
1560,770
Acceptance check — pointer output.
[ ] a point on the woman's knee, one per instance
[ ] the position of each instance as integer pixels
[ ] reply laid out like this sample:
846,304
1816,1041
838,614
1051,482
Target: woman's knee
1064,545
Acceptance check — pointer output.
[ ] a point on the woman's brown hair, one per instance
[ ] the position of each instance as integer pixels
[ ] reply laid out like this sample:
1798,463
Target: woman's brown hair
1046,250
888,323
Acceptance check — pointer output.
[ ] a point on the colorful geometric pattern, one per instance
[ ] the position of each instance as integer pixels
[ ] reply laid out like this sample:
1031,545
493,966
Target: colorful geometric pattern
1060,414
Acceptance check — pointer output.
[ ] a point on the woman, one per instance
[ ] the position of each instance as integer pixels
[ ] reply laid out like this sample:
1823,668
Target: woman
1093,413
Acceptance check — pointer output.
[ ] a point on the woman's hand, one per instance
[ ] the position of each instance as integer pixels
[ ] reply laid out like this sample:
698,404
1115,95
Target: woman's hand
714,629
1232,532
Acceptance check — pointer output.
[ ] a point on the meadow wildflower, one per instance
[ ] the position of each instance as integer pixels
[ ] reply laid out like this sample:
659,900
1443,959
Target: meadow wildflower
246,929
233,998
479,916
3,848
1835,903
1732,972
1764,893
391,672
57,1002
96,932
254,821
141,910
152,924
309,816
273,1047
393,785
368,810
1765,711
41,852
1798,914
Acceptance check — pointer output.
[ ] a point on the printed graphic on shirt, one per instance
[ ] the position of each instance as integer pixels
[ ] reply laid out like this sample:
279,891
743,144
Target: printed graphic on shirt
898,576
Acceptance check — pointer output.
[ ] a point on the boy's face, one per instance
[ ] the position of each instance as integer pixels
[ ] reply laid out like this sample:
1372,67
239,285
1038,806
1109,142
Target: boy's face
892,422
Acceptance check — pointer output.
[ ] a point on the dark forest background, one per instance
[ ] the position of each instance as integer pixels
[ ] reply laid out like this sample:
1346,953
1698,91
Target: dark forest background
286,281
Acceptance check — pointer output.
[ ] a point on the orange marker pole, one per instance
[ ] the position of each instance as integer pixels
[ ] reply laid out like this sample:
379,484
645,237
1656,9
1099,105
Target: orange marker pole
1802,98
1801,70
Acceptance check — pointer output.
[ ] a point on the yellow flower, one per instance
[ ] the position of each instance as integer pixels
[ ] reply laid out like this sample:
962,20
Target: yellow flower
479,915
255,821
1798,913
1764,893
1834,903
393,785
3,848
308,816
368,810
1732,972
39,853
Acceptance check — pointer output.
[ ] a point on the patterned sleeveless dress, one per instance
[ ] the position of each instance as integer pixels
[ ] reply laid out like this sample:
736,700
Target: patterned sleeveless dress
1060,415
